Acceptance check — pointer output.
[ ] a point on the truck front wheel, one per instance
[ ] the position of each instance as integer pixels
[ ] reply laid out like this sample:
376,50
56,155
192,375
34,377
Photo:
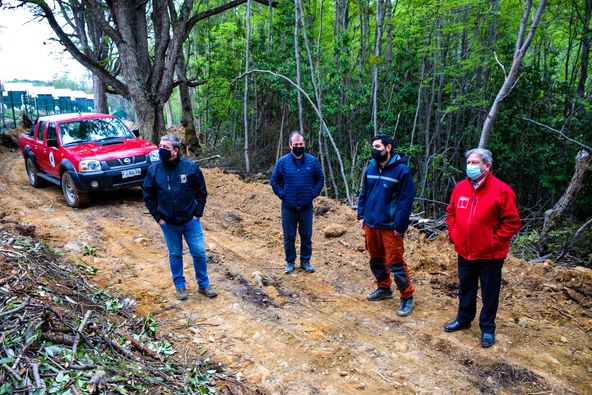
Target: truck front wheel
73,196
32,174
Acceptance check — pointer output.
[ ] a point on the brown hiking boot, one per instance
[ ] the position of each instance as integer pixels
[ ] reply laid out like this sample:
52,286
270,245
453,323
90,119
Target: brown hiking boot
209,292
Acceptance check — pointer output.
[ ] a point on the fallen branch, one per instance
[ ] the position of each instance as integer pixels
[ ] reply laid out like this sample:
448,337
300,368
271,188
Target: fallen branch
78,334
208,158
59,338
140,346
17,309
119,348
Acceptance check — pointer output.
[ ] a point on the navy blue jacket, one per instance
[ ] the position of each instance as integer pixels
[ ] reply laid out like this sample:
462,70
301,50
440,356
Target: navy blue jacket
387,195
297,181
175,192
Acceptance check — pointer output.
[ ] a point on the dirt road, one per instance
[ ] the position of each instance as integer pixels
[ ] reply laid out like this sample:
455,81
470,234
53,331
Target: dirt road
317,334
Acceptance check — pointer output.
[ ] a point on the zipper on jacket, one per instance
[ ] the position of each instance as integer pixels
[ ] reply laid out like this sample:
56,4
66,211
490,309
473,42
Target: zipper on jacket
474,201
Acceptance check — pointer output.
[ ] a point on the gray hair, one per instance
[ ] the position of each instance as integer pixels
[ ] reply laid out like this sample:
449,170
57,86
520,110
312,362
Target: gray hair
485,154
173,139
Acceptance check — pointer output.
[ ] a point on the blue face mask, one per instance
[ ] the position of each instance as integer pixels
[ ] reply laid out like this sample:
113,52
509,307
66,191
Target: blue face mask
473,171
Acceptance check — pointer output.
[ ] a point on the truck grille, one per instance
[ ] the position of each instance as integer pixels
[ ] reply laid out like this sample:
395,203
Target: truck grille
121,161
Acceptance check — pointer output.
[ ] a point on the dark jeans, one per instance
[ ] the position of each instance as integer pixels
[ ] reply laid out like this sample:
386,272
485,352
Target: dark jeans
470,273
301,220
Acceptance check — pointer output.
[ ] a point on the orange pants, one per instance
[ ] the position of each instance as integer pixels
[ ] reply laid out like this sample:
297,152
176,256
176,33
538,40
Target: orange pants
386,257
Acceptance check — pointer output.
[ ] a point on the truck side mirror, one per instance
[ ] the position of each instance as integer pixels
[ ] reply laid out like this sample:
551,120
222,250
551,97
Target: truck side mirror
52,143
136,132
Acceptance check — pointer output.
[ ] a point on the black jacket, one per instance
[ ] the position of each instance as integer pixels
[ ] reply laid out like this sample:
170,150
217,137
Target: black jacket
176,192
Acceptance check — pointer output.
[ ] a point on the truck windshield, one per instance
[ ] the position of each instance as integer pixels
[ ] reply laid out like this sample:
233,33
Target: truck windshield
90,130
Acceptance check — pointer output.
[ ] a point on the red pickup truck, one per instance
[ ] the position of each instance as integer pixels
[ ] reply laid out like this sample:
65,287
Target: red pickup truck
84,153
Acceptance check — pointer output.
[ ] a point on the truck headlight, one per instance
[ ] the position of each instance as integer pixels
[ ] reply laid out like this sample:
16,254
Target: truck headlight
154,156
89,165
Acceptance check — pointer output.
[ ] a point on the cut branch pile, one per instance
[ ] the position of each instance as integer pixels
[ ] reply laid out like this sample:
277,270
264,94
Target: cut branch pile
61,334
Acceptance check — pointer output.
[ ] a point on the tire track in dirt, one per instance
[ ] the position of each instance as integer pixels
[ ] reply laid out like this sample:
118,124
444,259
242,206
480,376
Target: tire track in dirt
292,334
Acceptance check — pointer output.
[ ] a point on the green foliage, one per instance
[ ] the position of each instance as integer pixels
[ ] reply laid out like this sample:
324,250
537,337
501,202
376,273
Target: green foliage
88,250
150,325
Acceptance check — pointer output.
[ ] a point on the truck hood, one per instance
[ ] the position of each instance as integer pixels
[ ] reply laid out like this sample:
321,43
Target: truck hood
122,149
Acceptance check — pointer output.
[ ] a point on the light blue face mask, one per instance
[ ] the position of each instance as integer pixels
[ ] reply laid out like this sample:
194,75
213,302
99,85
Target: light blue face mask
473,171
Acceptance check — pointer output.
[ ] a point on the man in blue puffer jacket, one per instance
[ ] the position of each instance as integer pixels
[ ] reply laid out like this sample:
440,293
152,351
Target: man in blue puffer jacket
297,179
175,194
383,212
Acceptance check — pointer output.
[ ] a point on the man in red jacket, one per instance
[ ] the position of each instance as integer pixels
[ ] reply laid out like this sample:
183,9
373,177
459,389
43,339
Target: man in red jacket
482,218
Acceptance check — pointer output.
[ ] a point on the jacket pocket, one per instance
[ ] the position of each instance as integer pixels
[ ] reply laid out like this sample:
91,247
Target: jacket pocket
480,241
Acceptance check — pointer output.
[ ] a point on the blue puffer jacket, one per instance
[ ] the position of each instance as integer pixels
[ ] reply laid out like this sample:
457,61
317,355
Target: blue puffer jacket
387,195
175,193
297,181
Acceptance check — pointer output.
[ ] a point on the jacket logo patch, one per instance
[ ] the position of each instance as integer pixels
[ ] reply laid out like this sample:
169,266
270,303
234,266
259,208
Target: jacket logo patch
183,178
463,202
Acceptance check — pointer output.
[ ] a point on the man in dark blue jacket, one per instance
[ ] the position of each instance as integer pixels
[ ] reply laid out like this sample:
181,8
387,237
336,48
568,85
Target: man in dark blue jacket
384,208
175,194
297,179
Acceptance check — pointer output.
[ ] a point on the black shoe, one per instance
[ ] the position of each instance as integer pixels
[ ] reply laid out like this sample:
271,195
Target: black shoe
455,325
487,339
289,268
406,307
379,294
307,267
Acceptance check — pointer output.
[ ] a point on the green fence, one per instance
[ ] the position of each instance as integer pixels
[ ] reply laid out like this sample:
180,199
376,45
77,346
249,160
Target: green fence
14,104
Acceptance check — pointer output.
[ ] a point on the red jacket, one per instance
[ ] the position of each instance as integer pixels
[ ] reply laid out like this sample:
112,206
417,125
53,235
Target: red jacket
482,221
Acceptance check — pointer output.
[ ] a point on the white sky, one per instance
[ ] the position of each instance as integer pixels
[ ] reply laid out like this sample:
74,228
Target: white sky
27,53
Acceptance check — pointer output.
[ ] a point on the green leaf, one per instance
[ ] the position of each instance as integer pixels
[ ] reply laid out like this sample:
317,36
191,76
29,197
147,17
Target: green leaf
6,360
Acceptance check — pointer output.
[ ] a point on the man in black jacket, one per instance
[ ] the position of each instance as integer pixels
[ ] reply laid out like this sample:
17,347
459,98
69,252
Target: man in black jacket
175,194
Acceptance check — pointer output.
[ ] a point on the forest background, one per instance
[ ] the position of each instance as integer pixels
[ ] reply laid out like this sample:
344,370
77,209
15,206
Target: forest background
426,72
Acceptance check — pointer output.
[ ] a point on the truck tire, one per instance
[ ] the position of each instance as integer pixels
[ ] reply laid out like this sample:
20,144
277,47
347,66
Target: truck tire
73,196
32,174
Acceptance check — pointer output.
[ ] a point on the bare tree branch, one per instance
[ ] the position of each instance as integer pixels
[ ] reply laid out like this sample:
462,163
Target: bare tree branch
589,148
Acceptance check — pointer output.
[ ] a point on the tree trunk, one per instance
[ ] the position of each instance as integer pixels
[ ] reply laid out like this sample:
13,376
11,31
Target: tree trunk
246,98
100,95
585,55
297,56
169,114
377,52
522,45
554,216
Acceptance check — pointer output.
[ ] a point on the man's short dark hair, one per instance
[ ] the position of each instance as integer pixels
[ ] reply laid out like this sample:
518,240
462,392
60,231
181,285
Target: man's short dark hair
384,139
294,133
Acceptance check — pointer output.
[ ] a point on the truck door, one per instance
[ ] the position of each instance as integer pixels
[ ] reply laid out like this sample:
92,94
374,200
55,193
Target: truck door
38,145
52,151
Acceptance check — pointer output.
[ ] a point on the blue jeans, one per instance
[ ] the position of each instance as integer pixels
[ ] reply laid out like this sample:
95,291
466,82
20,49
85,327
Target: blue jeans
193,234
301,220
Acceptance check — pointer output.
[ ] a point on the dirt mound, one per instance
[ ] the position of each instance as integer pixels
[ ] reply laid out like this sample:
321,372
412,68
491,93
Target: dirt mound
317,333
9,139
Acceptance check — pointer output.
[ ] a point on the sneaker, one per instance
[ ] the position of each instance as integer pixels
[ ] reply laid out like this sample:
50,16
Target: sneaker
380,293
181,293
406,307
289,268
307,267
209,292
